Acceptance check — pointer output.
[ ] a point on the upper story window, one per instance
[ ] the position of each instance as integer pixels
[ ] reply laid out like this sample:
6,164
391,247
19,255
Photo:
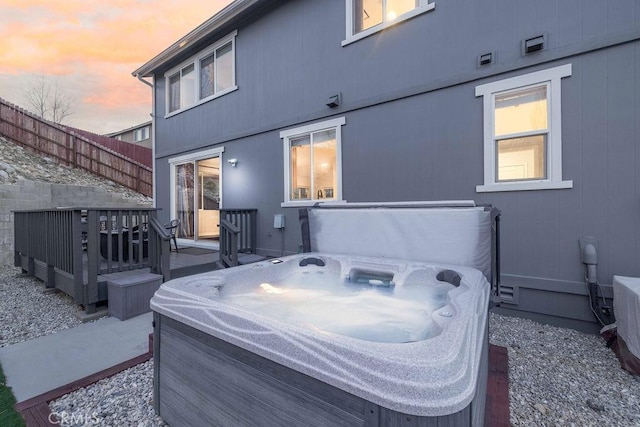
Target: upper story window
313,163
365,17
206,76
523,132
141,134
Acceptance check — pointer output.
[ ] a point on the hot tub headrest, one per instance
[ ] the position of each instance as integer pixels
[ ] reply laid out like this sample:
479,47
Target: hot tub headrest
455,235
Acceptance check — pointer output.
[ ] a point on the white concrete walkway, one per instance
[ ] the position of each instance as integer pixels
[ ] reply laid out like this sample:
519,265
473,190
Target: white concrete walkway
40,365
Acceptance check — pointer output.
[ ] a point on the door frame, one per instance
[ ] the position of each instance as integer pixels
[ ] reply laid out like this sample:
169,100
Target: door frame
193,158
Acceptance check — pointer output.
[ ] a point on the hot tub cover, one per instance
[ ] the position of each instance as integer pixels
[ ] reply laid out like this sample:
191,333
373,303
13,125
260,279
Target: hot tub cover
450,235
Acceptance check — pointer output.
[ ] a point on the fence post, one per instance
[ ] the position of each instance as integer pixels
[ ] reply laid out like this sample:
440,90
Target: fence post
72,142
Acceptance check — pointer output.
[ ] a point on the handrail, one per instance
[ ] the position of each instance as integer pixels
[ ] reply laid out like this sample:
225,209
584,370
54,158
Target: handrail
229,233
163,233
159,248
231,226
246,219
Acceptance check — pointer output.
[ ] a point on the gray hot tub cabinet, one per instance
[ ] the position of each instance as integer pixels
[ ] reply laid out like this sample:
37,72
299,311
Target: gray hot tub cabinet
202,380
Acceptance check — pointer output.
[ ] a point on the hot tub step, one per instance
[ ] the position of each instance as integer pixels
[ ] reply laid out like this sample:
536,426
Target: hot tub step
129,295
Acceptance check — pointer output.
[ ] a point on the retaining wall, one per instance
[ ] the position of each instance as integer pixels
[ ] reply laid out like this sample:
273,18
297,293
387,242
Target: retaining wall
27,195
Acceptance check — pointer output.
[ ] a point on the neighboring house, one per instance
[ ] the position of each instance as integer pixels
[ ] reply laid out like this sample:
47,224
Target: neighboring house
139,135
529,106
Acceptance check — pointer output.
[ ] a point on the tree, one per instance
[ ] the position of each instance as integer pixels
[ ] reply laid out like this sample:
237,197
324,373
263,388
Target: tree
47,100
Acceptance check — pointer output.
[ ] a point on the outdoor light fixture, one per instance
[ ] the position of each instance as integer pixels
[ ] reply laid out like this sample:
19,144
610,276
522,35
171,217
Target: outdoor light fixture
233,162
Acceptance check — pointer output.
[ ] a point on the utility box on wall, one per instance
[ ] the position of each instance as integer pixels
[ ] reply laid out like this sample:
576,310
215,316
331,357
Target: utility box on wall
278,221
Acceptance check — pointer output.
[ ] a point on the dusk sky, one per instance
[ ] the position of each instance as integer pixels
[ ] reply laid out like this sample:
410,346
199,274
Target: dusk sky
89,48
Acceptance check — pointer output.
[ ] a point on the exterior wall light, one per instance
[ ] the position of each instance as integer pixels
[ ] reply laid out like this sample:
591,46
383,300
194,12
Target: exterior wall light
233,162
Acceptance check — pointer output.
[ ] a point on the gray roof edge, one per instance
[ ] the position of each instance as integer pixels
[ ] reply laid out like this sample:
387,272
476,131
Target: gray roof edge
224,16
129,129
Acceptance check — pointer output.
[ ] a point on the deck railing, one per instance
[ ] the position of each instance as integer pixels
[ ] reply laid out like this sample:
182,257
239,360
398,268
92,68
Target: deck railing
237,234
69,248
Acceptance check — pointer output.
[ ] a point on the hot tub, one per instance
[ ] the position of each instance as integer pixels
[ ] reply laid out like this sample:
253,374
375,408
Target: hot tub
387,332
323,339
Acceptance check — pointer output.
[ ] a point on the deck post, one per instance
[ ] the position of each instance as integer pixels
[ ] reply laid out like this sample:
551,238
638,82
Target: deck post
76,261
92,260
156,362
31,266
51,281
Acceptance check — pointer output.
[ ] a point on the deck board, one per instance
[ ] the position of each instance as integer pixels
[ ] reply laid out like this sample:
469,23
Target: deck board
497,406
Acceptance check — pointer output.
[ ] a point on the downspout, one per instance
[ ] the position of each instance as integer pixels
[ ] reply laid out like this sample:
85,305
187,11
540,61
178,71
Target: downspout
153,137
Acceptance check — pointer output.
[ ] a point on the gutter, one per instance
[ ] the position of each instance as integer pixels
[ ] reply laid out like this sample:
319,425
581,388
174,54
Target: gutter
224,16
153,138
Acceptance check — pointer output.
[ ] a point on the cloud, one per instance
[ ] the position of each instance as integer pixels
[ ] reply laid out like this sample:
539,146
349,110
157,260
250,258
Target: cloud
93,45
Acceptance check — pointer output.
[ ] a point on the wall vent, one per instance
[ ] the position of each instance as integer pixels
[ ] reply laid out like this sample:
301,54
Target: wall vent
486,59
508,294
534,44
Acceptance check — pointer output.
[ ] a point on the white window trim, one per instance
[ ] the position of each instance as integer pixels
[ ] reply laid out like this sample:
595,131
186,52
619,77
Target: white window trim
350,37
286,136
195,60
553,77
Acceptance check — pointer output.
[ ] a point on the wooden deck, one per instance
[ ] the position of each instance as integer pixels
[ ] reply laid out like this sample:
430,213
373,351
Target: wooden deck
36,412
183,263
192,261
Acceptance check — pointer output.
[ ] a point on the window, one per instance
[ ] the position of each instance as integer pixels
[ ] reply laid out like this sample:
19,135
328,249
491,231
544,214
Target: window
365,17
523,132
313,165
206,76
141,134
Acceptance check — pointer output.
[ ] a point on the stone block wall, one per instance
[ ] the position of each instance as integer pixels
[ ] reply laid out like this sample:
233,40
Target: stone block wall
31,195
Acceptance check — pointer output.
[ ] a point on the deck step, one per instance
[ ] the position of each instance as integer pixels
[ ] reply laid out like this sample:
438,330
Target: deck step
244,259
129,295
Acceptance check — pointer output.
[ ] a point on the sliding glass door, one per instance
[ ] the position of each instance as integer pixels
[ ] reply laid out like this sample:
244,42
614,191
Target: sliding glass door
197,199
208,199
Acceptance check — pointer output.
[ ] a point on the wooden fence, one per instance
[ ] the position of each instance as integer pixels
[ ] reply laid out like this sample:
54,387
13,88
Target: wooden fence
71,149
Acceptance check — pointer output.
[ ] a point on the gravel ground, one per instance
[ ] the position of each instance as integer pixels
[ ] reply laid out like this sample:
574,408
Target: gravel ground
26,312
562,377
557,377
126,399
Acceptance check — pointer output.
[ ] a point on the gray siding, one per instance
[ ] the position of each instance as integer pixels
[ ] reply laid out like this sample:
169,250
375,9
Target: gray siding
415,128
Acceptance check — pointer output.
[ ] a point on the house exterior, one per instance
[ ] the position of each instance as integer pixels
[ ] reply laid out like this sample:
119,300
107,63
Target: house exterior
529,106
138,135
